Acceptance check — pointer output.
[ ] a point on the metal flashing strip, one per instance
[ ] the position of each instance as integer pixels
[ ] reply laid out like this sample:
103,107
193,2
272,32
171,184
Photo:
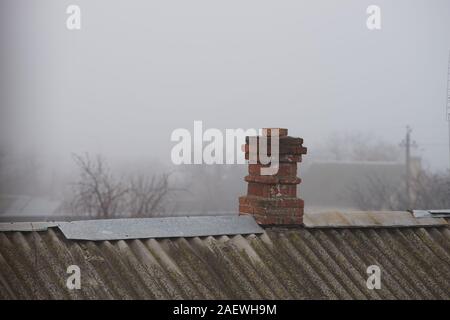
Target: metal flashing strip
121,229
369,219
431,213
26,226
138,228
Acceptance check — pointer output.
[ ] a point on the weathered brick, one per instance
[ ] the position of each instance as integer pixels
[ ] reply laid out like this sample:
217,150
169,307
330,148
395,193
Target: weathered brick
271,190
272,203
246,209
278,220
284,169
273,179
282,158
282,149
268,131
285,140
291,212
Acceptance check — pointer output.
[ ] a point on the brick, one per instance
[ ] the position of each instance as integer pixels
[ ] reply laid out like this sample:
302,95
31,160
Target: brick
246,209
268,131
284,169
271,190
282,158
282,149
282,140
271,203
273,179
288,212
280,221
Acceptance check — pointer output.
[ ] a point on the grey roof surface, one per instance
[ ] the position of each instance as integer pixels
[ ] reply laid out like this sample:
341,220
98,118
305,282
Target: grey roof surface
117,229
140,228
431,213
371,219
285,263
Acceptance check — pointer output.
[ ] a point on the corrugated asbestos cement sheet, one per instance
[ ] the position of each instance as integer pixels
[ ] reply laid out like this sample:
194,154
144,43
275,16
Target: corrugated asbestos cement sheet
369,219
295,263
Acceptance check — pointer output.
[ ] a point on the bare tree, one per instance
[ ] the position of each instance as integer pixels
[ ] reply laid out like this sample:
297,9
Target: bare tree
100,194
2,168
96,193
378,194
431,190
360,147
148,195
428,191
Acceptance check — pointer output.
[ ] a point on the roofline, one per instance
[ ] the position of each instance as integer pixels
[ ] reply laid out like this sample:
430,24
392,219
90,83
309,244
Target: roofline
198,226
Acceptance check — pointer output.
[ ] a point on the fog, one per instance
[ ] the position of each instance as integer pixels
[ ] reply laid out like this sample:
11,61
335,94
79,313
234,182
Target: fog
137,70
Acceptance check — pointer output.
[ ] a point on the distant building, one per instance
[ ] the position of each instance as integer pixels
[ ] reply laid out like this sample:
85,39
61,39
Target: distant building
329,183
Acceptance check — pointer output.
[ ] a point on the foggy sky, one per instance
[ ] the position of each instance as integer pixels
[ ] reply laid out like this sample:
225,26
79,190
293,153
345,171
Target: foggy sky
137,70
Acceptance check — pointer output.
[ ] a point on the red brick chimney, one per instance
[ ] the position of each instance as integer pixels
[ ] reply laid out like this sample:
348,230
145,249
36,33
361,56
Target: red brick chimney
272,199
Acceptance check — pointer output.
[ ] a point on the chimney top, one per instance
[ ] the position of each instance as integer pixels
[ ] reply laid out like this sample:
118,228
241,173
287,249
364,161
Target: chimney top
272,199
267,132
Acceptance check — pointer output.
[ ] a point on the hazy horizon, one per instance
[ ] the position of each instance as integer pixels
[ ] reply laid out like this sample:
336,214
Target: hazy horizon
138,70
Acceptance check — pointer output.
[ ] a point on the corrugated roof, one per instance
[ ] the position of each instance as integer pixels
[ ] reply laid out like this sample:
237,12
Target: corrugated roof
371,219
284,263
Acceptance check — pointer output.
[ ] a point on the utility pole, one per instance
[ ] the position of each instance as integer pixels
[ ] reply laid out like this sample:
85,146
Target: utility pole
448,106
408,144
